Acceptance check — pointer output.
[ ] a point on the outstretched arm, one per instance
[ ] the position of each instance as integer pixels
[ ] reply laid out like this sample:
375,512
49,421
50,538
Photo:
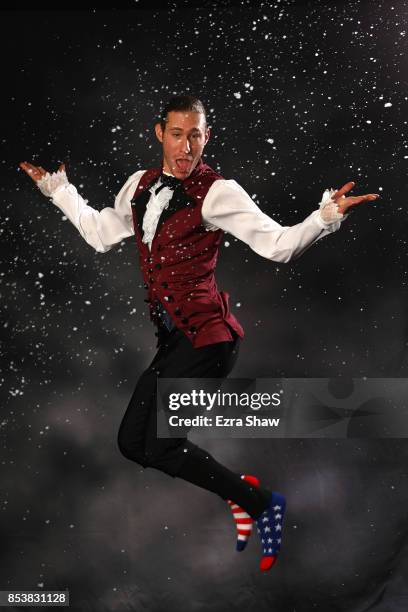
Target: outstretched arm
100,229
228,206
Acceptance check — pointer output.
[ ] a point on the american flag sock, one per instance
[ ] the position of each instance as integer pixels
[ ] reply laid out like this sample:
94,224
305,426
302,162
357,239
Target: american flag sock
243,521
270,530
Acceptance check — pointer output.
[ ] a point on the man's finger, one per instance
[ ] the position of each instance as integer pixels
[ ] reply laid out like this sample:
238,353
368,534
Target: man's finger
26,167
61,168
352,201
343,190
32,171
358,199
30,167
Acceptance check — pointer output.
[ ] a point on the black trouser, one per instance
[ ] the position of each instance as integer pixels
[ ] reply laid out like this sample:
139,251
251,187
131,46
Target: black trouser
178,457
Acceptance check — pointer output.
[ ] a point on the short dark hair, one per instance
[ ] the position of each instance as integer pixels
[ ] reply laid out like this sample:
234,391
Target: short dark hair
182,103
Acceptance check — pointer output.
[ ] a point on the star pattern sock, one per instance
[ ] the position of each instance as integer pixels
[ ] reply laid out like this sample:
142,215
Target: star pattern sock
243,521
270,530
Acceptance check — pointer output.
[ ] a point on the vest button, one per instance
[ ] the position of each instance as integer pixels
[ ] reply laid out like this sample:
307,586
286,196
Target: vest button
151,280
169,298
193,329
145,286
158,266
150,271
177,312
149,259
165,285
185,321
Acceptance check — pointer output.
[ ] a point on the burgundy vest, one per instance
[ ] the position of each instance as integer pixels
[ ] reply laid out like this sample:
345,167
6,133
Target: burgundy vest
179,269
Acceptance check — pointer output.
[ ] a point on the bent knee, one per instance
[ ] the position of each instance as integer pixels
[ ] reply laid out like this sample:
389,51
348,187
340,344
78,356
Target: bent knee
132,451
155,456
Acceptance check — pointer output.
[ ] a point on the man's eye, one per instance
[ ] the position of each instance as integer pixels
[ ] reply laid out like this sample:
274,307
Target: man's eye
193,135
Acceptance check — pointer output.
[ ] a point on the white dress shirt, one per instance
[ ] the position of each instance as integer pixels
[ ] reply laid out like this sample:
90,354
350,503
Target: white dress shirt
226,206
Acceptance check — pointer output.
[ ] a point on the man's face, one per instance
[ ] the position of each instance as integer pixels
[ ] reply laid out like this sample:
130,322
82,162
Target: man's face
183,140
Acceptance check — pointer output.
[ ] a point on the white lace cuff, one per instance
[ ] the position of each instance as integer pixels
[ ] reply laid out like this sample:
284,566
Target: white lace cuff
49,183
328,208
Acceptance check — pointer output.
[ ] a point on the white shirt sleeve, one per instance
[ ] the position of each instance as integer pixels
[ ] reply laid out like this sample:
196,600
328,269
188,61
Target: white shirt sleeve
229,207
101,229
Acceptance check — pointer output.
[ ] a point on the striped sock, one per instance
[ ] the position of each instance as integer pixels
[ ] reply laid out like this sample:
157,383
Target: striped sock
243,521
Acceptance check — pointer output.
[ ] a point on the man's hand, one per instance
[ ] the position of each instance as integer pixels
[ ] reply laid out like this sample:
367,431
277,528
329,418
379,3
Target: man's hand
37,172
346,204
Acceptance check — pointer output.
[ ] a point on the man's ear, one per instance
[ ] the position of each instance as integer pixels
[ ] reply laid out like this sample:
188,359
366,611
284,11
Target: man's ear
207,135
159,132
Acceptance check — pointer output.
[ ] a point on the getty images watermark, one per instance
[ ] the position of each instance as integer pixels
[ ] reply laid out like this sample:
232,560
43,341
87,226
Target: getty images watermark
219,401
282,407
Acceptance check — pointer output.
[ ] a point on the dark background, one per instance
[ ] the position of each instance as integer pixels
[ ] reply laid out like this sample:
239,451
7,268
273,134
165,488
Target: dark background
301,96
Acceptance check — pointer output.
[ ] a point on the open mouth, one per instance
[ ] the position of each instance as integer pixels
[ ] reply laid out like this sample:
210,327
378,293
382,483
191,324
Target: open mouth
183,164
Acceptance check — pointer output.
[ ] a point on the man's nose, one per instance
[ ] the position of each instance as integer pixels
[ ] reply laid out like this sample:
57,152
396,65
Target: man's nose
186,145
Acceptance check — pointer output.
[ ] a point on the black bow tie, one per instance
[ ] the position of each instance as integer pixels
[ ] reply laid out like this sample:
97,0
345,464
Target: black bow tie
170,181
